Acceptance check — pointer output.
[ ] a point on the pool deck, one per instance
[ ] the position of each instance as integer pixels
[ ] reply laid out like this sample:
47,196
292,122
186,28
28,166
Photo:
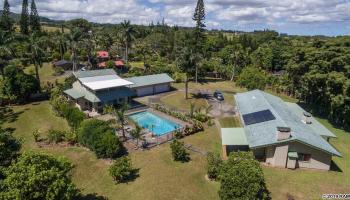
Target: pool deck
168,117
163,115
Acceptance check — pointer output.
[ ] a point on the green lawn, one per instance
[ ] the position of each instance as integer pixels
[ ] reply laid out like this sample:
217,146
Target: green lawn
162,178
46,73
228,122
177,100
159,176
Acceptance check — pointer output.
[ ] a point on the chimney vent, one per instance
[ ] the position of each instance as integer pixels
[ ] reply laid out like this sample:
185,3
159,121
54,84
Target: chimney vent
283,133
307,118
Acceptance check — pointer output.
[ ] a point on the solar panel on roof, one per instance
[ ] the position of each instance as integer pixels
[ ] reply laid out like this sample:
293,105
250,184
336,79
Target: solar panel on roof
258,117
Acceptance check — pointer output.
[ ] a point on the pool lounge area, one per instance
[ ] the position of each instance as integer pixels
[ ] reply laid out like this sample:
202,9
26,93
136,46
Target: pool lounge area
156,124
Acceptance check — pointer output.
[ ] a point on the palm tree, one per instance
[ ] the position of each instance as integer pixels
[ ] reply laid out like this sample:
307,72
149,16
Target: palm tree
121,116
35,51
6,38
74,38
128,35
143,49
136,134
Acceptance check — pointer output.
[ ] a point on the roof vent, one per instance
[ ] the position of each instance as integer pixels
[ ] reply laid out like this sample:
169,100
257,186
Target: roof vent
283,133
306,118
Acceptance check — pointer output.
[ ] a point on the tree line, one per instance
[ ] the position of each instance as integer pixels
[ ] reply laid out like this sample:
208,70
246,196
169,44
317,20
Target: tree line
314,69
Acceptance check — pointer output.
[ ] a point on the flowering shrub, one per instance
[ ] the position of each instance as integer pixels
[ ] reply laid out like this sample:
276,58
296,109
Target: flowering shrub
196,125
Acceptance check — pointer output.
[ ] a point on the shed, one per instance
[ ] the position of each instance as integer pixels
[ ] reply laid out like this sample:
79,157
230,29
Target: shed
233,139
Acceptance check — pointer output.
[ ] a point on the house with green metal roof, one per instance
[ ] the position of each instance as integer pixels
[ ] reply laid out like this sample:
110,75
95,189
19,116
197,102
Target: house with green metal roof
95,88
281,134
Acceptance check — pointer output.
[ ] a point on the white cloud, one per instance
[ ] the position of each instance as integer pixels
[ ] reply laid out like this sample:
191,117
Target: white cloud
271,13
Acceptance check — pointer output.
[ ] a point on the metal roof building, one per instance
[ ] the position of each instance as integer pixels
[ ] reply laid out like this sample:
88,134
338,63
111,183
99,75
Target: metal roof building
264,133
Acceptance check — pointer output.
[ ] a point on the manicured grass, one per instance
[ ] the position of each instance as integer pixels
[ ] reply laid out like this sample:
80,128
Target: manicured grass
229,122
159,176
177,100
162,178
45,73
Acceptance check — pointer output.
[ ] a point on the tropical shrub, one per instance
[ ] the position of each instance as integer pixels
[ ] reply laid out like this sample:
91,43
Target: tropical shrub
214,163
179,152
38,176
36,135
18,86
179,77
73,116
99,137
55,136
9,147
121,169
241,177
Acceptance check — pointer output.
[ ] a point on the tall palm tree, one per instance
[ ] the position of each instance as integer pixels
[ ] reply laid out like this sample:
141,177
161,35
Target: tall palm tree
128,36
121,116
35,52
6,39
74,38
136,134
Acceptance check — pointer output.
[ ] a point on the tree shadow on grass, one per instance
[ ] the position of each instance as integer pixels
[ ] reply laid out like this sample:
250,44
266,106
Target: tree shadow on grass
133,176
7,115
93,196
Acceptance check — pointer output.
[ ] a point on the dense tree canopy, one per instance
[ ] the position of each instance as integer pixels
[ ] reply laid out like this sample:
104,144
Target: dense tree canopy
9,147
241,177
38,176
99,137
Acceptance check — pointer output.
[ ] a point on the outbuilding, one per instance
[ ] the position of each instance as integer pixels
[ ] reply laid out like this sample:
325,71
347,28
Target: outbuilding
151,84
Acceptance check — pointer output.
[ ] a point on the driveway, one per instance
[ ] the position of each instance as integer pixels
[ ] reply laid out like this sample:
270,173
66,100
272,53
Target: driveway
220,108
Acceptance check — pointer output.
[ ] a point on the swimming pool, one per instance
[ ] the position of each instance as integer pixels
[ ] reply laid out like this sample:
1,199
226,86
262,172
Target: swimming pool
154,123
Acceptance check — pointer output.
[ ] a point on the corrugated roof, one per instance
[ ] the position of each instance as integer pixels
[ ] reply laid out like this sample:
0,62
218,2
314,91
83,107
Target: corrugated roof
264,134
233,136
140,81
90,73
102,96
104,82
74,93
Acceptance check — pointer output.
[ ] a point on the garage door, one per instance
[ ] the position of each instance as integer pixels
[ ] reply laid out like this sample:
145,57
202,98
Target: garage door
144,91
161,88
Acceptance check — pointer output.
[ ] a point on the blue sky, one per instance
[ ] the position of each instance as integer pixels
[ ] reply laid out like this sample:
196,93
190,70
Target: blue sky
303,17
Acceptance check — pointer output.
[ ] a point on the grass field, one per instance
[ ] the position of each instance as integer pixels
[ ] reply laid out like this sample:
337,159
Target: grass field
162,178
178,101
46,73
159,176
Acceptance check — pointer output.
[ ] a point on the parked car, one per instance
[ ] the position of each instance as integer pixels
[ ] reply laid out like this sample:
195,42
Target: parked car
218,95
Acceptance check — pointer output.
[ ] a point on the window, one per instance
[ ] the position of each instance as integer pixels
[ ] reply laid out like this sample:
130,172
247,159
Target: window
304,157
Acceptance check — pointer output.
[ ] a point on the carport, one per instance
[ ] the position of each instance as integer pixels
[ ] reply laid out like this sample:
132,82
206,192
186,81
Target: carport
233,140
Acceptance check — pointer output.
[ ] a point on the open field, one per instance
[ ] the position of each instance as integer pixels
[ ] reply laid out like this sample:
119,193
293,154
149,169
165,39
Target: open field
46,73
160,177
177,100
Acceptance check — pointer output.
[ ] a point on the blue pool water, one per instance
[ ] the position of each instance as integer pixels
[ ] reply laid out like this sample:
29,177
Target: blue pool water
154,123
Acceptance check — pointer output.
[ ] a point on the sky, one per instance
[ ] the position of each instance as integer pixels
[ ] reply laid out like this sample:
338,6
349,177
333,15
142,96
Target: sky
300,17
